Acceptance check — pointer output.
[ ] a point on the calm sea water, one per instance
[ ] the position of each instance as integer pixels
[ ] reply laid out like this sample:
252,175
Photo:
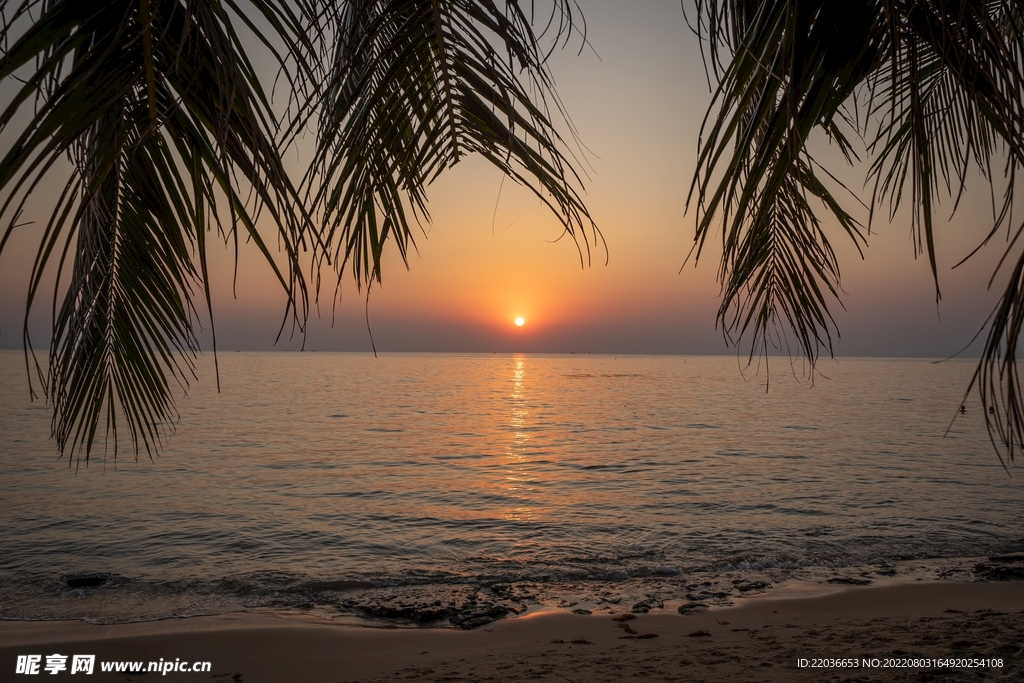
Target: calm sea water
338,482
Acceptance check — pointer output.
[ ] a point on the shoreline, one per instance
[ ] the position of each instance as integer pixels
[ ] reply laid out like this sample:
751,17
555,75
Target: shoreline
476,601
758,639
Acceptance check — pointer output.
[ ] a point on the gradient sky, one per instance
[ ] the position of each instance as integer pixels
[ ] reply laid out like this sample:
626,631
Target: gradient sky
488,257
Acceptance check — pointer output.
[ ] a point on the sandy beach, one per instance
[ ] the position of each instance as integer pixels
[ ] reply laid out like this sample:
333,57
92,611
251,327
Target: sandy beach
760,639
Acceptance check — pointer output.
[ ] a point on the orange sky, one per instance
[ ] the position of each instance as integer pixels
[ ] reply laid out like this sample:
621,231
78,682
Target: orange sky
638,110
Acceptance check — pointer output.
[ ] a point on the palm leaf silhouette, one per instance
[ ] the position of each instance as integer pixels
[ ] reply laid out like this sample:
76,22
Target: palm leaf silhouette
171,135
930,87
165,134
415,85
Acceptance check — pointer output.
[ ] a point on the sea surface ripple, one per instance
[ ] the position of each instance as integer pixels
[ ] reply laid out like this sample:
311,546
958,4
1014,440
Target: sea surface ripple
340,481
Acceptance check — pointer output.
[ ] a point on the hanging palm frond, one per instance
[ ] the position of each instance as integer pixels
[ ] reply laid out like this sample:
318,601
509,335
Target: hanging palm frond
167,129
170,134
930,87
414,86
793,70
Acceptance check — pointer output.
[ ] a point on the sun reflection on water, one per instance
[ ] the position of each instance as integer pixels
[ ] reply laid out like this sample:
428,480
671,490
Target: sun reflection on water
516,476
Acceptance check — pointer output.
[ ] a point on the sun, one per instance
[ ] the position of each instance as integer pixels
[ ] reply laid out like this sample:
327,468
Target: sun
520,322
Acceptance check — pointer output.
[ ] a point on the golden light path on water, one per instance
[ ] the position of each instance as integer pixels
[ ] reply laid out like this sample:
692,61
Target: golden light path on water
518,479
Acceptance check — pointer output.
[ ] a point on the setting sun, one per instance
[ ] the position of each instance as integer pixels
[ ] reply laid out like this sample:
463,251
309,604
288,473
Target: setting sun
520,322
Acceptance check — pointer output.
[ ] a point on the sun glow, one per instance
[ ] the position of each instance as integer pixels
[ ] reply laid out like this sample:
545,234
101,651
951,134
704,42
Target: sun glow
520,322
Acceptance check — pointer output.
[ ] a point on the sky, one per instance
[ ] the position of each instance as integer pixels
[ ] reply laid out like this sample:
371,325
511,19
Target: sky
637,94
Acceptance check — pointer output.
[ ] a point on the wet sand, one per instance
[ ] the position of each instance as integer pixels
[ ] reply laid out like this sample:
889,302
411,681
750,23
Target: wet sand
760,639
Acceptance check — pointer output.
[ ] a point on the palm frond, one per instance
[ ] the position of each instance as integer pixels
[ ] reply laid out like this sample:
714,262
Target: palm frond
414,86
793,68
932,88
171,135
166,135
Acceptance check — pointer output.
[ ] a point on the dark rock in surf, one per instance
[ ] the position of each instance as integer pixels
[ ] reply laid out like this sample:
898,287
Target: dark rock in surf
475,622
470,619
1010,557
753,586
502,590
431,614
419,614
707,595
692,608
850,581
88,580
647,605
1000,571
389,612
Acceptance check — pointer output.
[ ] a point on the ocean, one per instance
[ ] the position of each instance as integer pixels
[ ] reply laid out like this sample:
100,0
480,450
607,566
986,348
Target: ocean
445,489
